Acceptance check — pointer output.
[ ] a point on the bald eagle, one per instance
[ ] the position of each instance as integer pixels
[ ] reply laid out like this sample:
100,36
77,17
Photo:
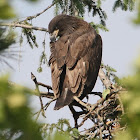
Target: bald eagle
76,52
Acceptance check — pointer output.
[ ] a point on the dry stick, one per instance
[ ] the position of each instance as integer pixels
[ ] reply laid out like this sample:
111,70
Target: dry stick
47,95
84,119
37,88
44,85
38,114
105,79
47,105
121,104
95,112
44,107
31,17
81,102
99,118
24,26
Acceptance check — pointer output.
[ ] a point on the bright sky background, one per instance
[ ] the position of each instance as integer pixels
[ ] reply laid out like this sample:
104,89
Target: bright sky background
121,45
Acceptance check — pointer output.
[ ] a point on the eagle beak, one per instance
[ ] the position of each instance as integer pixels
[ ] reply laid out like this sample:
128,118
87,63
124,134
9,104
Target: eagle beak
54,35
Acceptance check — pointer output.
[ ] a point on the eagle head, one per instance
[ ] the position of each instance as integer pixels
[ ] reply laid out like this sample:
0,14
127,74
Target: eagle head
64,25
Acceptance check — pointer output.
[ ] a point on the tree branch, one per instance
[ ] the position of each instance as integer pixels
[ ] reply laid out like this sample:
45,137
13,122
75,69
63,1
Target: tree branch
47,95
104,79
24,26
37,88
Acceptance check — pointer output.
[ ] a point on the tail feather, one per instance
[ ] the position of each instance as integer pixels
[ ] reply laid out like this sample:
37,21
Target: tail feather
65,98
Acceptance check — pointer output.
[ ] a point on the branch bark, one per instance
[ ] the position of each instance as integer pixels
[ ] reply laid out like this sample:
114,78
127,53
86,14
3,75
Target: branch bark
104,79
24,26
37,88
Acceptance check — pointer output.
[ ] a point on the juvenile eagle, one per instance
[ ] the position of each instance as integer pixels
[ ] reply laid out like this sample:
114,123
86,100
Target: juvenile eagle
76,52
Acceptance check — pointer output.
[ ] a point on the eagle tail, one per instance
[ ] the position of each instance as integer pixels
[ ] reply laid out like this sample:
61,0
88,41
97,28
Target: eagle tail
64,99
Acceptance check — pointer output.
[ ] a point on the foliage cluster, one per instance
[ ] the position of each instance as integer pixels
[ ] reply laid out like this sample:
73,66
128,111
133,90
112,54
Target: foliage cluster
15,116
131,103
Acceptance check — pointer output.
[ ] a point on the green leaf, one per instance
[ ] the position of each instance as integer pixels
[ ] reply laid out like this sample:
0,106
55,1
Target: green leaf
105,93
75,132
6,11
39,69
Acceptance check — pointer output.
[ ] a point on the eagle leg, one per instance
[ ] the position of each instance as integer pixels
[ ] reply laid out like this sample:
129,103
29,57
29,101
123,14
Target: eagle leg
76,114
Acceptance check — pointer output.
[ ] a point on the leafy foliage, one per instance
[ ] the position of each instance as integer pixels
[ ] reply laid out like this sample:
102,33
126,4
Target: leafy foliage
137,19
99,26
131,102
124,5
78,7
31,38
71,7
15,115
61,130
6,11
7,38
43,58
110,73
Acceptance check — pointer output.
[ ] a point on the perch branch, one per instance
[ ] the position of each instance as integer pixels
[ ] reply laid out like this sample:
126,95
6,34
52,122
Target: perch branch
81,102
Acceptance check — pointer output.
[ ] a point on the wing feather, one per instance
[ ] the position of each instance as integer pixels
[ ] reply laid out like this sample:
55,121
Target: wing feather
80,58
55,74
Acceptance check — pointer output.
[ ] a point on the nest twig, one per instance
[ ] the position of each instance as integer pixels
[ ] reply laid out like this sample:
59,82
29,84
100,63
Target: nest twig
105,113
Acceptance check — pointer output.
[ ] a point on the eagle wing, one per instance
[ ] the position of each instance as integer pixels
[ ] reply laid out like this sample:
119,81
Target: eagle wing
75,61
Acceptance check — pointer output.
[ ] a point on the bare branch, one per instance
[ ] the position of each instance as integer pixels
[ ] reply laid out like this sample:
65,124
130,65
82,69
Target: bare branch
24,26
104,79
44,85
37,88
47,95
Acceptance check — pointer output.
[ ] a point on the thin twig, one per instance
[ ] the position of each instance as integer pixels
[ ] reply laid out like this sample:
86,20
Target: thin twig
47,105
37,88
47,95
44,85
38,14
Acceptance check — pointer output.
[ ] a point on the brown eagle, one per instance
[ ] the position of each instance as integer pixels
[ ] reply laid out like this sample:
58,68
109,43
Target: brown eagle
76,52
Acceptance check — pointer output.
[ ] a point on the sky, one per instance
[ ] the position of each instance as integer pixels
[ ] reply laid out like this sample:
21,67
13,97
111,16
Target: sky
121,46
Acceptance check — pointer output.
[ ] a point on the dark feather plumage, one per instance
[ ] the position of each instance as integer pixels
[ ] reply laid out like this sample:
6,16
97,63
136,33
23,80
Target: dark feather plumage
75,58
